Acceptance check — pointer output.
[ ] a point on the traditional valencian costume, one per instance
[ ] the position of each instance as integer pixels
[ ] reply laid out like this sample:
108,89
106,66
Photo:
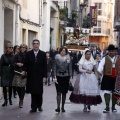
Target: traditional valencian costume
109,67
86,89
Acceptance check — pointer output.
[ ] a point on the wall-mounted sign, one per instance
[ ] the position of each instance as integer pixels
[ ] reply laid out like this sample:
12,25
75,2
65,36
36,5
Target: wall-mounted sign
93,15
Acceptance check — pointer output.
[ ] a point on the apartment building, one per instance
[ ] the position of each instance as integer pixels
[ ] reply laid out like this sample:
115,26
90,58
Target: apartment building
117,21
103,33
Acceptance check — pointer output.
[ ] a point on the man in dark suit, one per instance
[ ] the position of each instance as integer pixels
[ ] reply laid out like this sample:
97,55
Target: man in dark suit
95,52
36,68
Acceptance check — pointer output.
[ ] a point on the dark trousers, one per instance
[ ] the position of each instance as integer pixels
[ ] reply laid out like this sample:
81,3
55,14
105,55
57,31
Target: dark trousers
21,92
36,101
14,91
5,93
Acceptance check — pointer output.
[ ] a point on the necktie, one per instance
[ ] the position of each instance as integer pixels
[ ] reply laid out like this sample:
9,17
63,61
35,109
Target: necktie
35,54
35,57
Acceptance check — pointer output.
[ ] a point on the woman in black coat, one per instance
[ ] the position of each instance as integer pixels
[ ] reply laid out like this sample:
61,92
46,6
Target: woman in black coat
19,81
6,73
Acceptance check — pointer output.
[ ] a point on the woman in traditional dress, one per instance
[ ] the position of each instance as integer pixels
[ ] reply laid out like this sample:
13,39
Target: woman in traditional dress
86,89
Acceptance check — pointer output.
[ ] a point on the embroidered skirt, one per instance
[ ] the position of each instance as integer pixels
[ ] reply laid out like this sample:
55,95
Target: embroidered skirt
80,98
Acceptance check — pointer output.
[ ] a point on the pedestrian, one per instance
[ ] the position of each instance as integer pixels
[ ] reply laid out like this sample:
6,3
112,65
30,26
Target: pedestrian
95,52
97,60
15,51
7,73
36,68
19,80
86,89
109,67
53,53
49,68
117,83
63,72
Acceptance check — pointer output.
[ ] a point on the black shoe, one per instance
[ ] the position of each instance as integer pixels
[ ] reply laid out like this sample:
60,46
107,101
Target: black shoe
40,109
49,84
63,110
33,111
10,101
88,108
4,104
106,110
114,110
57,110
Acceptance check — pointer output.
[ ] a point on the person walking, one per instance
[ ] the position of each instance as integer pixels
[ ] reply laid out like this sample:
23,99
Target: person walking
86,89
7,73
95,52
63,72
109,68
15,51
36,68
19,80
49,67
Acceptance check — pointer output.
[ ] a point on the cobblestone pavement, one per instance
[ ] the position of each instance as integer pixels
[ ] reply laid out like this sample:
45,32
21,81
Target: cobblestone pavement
73,111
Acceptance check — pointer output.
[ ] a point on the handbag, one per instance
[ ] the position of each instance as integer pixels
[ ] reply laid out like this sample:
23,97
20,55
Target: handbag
70,87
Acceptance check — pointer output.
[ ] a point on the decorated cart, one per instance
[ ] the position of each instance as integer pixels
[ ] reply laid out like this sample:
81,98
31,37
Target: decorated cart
76,41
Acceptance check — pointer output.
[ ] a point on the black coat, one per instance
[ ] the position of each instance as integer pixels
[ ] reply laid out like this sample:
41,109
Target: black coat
19,58
94,56
49,64
36,69
6,70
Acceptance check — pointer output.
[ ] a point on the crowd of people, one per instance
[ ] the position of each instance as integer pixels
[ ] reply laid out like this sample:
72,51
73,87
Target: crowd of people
25,71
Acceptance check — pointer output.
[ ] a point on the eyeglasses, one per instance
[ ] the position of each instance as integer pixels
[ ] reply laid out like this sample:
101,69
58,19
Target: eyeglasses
35,43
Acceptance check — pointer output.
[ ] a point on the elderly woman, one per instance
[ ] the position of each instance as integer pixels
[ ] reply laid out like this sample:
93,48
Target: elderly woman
86,89
19,80
6,73
62,71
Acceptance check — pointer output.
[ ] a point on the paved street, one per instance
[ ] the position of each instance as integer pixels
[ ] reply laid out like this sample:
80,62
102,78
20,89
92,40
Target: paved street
73,111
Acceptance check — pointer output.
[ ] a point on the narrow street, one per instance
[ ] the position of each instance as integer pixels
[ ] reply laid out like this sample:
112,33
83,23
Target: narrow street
73,111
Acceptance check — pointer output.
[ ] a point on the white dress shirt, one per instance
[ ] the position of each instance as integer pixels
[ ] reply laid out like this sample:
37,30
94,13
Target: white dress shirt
102,63
35,52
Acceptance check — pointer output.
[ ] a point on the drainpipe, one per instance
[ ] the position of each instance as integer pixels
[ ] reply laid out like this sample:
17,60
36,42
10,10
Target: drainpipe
17,26
40,19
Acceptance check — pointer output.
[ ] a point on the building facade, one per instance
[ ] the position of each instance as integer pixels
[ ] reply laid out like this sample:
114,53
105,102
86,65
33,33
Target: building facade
103,34
117,21
50,28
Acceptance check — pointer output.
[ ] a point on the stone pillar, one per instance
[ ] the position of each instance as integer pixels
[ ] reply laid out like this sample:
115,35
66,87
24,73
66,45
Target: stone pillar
45,46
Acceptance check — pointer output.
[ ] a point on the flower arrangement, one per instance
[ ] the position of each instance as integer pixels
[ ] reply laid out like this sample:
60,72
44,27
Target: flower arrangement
72,40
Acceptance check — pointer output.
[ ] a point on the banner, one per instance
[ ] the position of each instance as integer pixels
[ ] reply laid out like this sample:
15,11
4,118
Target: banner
93,15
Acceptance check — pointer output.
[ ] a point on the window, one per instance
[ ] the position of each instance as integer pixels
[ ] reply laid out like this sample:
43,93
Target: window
108,31
99,8
97,29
